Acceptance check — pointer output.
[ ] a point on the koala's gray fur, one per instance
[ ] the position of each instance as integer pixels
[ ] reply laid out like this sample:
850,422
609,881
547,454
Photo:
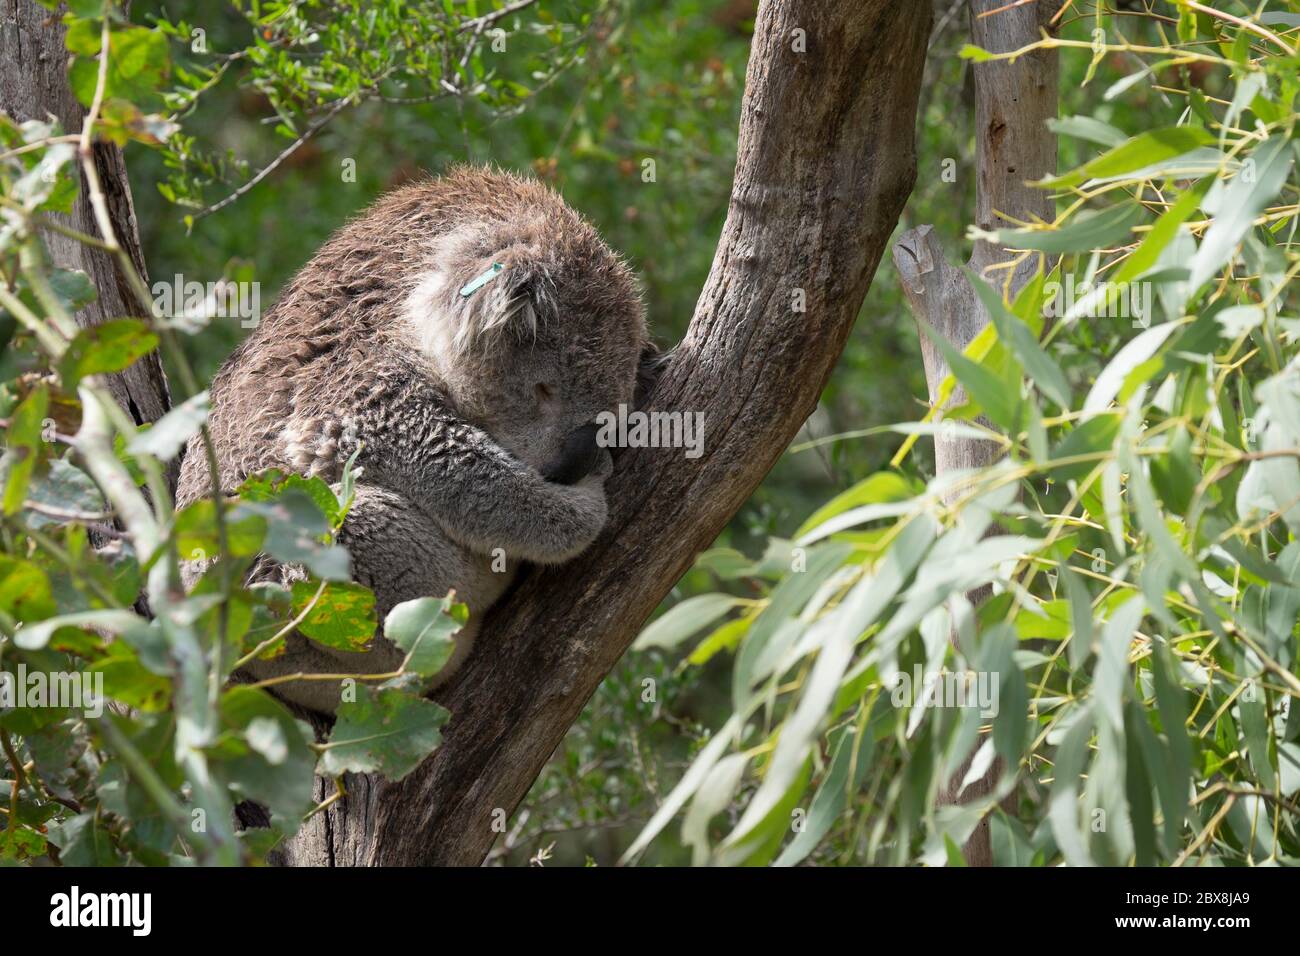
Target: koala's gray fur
463,407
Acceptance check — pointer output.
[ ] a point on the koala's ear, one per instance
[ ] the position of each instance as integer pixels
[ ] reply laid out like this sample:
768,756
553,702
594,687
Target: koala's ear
652,364
505,294
480,289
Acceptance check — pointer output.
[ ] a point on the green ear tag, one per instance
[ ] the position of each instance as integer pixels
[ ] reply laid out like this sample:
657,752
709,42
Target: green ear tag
478,282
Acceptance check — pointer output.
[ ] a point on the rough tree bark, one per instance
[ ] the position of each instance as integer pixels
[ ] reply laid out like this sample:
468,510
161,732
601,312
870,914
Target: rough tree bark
825,164
34,86
1013,102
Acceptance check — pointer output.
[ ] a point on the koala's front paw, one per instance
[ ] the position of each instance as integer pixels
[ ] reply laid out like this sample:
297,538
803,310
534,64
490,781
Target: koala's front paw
580,512
591,506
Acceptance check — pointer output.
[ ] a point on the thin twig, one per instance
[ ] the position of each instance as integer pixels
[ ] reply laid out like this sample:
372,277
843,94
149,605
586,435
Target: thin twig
478,23
1249,25
338,794
274,164
302,675
66,514
283,631
18,779
39,144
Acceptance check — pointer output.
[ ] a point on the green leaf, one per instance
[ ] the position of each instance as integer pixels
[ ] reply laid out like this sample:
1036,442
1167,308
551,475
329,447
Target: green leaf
998,402
726,563
713,797
1172,707
298,533
1137,787
1141,151
1087,128
975,54
724,638
24,590
36,635
64,486
869,598
73,287
139,63
759,845
1093,437
1126,360
1081,630
864,514
684,620
1235,211
852,748
276,768
1147,254
170,433
24,441
797,734
1152,521
1063,803
1046,374
78,8
129,682
108,347
1252,710
691,781
385,730
268,485
1237,320
22,843
883,487
1011,845
1288,760
84,840
47,186
785,602
343,617
1084,232
1010,723
1175,474
424,629
195,530
1111,675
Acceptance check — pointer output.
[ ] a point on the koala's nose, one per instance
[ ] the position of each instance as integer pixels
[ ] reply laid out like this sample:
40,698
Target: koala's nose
577,458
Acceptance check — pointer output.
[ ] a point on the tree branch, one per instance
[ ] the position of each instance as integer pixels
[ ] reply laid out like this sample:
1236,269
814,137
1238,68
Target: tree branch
825,164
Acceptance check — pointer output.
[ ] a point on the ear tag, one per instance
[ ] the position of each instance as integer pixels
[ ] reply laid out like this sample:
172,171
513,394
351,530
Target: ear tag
478,282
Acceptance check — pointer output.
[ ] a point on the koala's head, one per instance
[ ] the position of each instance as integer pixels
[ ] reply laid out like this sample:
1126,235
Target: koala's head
533,325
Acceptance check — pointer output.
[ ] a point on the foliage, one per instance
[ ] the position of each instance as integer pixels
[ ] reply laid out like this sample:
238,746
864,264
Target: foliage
123,742
1142,620
309,61
1132,645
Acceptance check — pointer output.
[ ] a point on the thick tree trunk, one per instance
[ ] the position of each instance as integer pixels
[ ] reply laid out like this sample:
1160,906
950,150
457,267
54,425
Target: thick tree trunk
1013,102
825,164
34,86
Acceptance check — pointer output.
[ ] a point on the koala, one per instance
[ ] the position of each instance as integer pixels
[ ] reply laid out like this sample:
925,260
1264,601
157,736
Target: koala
463,333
